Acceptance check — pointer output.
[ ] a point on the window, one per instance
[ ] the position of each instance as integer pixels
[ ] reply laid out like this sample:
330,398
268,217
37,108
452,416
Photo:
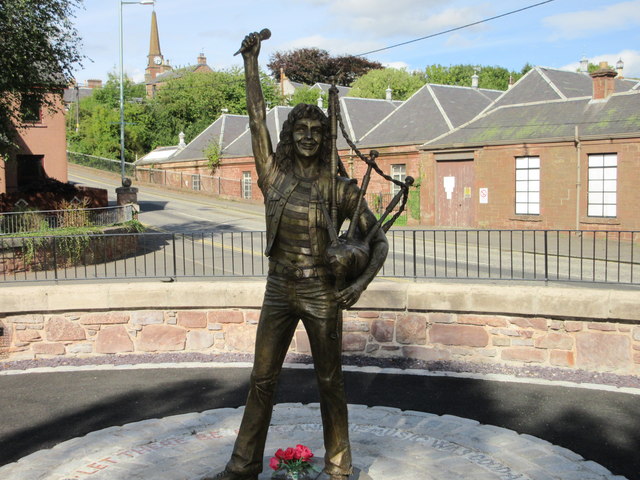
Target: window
398,172
30,169
603,173
30,108
246,184
527,185
195,182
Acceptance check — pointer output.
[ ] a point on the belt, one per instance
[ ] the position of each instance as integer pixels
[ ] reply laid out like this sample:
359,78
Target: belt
291,271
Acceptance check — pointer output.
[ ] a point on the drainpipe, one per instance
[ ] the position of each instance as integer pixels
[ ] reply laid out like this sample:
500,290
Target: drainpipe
578,178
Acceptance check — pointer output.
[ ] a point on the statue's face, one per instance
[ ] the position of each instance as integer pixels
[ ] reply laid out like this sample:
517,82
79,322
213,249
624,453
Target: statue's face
307,137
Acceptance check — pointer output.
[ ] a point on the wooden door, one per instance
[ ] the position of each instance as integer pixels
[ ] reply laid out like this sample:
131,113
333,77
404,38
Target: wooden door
455,200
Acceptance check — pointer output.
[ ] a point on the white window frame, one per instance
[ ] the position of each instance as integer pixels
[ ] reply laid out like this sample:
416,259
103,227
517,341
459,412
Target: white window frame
602,192
527,185
398,172
195,181
246,185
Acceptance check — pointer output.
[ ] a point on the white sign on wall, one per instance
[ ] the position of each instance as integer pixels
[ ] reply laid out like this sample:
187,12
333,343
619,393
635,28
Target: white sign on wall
484,195
449,185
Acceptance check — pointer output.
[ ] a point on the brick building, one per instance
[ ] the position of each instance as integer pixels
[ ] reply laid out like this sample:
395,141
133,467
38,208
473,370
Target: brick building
560,150
42,149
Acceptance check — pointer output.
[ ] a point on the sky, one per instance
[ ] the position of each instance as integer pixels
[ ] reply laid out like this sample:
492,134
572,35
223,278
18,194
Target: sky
556,34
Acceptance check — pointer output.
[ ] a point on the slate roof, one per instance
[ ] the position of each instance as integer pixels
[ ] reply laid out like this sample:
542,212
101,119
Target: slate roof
73,95
428,113
342,91
361,114
553,120
546,84
158,155
223,131
241,146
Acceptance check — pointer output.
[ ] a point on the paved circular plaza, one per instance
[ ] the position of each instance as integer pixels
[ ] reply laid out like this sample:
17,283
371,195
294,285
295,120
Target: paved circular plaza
387,444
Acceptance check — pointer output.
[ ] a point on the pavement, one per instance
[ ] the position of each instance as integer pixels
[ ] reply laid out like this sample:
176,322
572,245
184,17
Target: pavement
178,422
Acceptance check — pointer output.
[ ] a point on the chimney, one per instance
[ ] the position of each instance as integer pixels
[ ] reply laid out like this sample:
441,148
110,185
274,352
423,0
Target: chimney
474,79
283,77
94,83
202,60
389,93
619,68
510,82
603,82
320,101
584,65
181,143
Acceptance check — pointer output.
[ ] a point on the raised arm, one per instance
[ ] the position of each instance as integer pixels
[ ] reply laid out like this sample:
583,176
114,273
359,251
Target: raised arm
260,139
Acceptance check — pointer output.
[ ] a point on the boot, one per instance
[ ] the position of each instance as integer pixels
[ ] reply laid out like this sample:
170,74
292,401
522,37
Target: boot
227,475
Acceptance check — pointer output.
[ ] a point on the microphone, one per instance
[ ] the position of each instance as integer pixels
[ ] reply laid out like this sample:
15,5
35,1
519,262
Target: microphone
265,34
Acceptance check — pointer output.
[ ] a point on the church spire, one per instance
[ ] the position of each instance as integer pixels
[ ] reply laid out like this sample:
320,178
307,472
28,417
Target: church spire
154,43
156,64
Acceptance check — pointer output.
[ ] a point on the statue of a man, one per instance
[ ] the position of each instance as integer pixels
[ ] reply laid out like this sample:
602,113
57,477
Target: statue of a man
300,286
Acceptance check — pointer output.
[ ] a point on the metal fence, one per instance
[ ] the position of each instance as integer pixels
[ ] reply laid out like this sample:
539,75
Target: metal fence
38,220
101,163
543,255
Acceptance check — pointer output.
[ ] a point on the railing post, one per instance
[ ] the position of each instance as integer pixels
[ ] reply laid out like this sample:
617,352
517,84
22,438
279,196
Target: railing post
415,267
175,263
546,258
55,259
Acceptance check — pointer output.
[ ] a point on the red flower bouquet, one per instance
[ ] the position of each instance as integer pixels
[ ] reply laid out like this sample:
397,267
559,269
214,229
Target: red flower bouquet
293,462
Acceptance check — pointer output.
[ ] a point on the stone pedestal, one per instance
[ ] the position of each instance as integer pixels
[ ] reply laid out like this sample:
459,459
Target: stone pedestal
127,195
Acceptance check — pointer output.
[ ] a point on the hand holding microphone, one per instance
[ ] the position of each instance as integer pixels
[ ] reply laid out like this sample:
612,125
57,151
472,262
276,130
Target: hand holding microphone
253,38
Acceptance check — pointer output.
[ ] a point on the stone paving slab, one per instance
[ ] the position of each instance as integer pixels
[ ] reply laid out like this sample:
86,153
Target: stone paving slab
387,444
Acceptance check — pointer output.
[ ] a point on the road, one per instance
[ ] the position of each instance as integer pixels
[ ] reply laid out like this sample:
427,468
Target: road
172,211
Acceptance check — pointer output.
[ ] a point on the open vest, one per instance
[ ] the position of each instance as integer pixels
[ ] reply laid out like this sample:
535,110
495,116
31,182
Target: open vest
278,188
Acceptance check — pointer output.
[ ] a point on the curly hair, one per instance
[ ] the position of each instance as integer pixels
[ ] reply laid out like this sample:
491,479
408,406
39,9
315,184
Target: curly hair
285,149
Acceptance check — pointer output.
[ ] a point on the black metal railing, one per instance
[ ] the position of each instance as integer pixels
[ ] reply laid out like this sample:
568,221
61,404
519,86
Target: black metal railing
37,220
546,255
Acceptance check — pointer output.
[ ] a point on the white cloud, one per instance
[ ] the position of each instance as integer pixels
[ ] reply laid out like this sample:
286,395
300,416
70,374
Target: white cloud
631,59
385,18
587,23
336,46
397,65
456,40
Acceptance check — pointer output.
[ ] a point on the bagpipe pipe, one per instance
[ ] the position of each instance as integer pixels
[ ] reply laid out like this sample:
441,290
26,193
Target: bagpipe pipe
348,254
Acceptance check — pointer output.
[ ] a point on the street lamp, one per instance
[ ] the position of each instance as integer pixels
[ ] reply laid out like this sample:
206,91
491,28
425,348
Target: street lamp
122,2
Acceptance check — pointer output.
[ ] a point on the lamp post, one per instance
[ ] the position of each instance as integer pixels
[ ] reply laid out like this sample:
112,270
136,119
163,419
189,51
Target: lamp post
122,2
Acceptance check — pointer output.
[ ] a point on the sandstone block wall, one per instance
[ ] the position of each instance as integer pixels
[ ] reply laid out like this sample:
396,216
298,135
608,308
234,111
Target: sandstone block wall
480,324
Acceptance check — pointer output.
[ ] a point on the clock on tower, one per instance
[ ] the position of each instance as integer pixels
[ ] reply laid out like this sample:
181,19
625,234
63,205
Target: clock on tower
157,60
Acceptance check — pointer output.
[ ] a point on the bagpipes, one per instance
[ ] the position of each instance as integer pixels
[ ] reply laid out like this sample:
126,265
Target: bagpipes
348,254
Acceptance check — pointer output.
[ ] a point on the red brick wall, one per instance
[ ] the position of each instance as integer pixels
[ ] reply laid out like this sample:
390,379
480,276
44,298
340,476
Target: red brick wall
47,138
559,171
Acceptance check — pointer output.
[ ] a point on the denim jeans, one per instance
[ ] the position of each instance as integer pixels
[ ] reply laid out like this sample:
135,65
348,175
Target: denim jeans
287,301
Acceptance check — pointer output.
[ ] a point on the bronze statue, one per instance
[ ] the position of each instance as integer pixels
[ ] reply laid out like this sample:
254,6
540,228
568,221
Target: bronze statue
298,181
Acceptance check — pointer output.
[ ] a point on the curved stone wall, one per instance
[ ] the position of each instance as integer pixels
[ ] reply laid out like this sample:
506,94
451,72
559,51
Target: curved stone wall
592,329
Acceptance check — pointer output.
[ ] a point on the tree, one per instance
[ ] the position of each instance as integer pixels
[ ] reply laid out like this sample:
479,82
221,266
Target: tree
99,121
188,103
491,77
313,65
39,47
191,102
306,94
375,83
